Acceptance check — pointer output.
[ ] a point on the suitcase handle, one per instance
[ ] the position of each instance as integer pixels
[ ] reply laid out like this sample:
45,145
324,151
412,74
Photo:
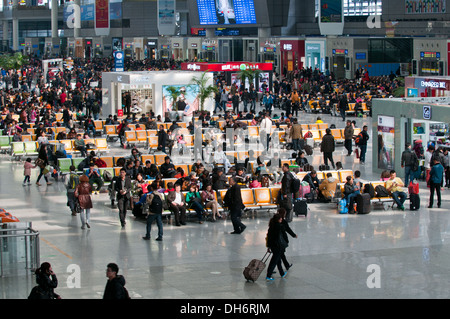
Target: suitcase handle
265,259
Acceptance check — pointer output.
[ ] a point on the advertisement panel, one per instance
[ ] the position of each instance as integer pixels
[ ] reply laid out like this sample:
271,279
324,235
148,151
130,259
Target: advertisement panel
386,134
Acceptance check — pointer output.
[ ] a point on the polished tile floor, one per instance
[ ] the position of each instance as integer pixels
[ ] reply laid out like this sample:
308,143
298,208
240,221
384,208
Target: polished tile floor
386,254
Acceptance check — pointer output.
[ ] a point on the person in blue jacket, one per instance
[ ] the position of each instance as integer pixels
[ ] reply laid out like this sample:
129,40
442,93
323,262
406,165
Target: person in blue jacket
436,178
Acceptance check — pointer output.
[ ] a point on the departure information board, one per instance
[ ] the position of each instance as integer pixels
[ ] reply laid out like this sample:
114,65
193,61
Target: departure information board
222,12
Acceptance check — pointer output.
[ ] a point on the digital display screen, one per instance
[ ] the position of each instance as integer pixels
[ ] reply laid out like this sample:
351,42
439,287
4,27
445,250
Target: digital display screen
223,12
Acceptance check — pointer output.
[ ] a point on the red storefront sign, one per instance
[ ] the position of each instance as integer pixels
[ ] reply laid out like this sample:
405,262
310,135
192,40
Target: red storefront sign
226,67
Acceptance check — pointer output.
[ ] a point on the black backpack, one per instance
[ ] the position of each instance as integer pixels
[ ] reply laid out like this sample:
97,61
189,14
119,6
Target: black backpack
295,185
156,207
369,189
381,191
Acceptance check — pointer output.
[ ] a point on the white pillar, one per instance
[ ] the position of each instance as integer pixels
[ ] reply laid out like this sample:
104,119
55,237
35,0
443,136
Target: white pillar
54,19
15,26
77,17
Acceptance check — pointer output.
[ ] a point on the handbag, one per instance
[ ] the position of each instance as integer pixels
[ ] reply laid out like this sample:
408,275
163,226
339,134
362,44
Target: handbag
39,162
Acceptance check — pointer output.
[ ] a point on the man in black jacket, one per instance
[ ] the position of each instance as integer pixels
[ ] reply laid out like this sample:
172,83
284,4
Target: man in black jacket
167,169
233,201
327,147
363,144
409,163
286,192
115,287
123,188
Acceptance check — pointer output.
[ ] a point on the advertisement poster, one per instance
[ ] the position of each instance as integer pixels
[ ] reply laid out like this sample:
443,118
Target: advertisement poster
186,98
101,17
331,11
166,17
386,134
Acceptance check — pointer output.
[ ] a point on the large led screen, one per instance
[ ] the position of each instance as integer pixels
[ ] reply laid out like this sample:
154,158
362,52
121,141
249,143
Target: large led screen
223,12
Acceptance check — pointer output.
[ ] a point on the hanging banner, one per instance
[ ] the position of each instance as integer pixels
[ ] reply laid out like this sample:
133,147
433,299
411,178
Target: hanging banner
101,19
166,17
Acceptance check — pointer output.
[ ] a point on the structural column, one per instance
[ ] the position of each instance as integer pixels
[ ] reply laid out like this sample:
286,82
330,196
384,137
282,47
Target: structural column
54,19
15,26
5,30
77,19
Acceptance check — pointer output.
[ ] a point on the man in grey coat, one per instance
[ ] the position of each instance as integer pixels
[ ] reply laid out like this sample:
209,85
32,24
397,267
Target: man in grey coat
348,137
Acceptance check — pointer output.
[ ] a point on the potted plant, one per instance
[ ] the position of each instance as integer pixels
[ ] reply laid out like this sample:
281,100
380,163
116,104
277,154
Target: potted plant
205,90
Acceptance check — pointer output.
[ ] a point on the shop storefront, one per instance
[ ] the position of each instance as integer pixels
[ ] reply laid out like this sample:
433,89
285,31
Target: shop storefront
179,47
230,72
315,55
194,46
427,86
419,121
150,49
152,92
292,52
430,64
209,50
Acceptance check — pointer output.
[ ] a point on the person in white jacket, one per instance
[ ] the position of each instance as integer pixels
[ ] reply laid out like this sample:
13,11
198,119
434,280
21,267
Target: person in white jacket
265,130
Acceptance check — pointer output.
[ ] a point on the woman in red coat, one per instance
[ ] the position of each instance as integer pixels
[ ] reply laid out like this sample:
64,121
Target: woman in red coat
83,193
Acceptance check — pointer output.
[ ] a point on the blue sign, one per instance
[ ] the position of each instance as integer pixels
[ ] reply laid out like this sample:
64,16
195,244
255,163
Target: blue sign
119,61
426,112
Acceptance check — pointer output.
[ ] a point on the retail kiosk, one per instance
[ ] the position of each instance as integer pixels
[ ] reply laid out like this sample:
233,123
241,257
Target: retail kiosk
407,120
230,72
152,91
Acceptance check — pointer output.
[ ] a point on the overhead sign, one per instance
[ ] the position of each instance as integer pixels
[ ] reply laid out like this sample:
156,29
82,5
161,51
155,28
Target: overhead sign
427,112
119,60
226,67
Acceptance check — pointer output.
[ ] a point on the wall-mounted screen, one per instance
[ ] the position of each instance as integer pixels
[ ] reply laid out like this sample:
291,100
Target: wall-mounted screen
225,12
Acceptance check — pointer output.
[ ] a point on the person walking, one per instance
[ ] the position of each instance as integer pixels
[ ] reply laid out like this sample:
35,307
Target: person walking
123,188
276,244
115,286
27,166
348,137
409,162
436,179
362,144
42,162
46,281
343,105
327,147
266,130
233,201
286,229
154,200
83,194
296,135
72,181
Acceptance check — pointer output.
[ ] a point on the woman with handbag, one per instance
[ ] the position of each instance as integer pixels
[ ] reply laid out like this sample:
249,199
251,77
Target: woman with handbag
42,162
194,201
276,244
209,200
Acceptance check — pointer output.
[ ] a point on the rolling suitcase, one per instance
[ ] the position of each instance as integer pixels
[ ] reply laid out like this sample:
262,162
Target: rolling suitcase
300,207
255,268
363,203
414,201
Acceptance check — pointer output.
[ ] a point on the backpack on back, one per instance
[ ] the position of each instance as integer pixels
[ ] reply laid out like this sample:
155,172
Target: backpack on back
295,185
74,180
156,206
